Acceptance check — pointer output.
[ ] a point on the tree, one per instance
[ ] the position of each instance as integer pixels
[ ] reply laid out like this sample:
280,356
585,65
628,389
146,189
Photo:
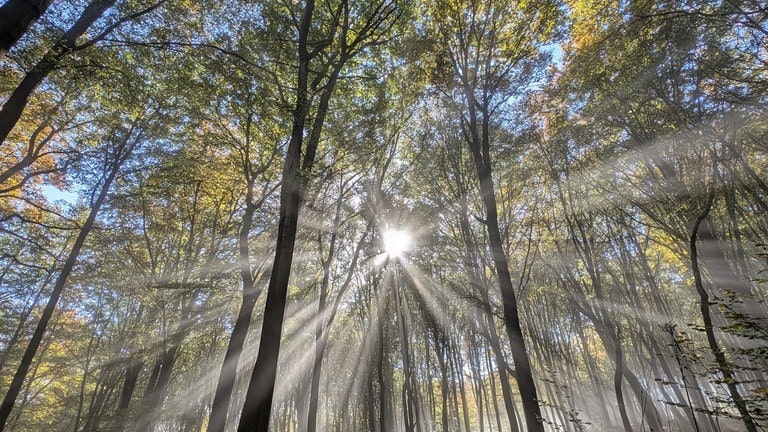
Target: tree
122,150
485,56
65,45
348,39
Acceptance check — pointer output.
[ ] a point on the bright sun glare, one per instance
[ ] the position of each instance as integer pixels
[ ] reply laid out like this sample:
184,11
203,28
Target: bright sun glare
396,242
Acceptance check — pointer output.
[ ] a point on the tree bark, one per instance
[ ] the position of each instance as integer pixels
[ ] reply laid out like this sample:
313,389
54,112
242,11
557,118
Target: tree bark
16,17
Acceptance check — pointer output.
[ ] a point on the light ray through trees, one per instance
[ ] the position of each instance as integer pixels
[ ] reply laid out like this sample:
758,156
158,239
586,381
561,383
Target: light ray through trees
598,165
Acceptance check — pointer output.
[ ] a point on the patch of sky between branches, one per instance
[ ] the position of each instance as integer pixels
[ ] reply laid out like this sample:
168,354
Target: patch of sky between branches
54,194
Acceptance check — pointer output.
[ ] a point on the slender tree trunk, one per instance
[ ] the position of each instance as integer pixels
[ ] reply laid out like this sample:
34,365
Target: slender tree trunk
479,143
132,372
161,375
320,337
458,368
93,339
34,343
105,386
410,391
617,379
524,374
386,417
444,390
228,372
470,263
494,399
725,368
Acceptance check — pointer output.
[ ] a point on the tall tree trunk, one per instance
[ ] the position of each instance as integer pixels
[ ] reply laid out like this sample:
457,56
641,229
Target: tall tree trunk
525,382
476,280
66,44
251,293
122,153
132,371
726,368
258,399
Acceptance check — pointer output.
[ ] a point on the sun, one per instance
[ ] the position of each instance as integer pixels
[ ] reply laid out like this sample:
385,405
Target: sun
396,242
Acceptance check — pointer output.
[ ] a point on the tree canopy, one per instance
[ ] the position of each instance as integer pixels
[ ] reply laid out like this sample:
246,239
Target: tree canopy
387,215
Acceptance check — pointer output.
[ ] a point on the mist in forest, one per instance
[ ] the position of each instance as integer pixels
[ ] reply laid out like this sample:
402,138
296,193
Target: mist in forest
383,215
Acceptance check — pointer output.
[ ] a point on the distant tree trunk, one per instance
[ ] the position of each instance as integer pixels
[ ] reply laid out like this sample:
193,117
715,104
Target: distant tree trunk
16,17
121,154
603,329
132,371
477,382
386,417
494,399
592,369
617,379
160,379
92,340
458,367
410,398
629,280
322,330
321,338
444,389
106,384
